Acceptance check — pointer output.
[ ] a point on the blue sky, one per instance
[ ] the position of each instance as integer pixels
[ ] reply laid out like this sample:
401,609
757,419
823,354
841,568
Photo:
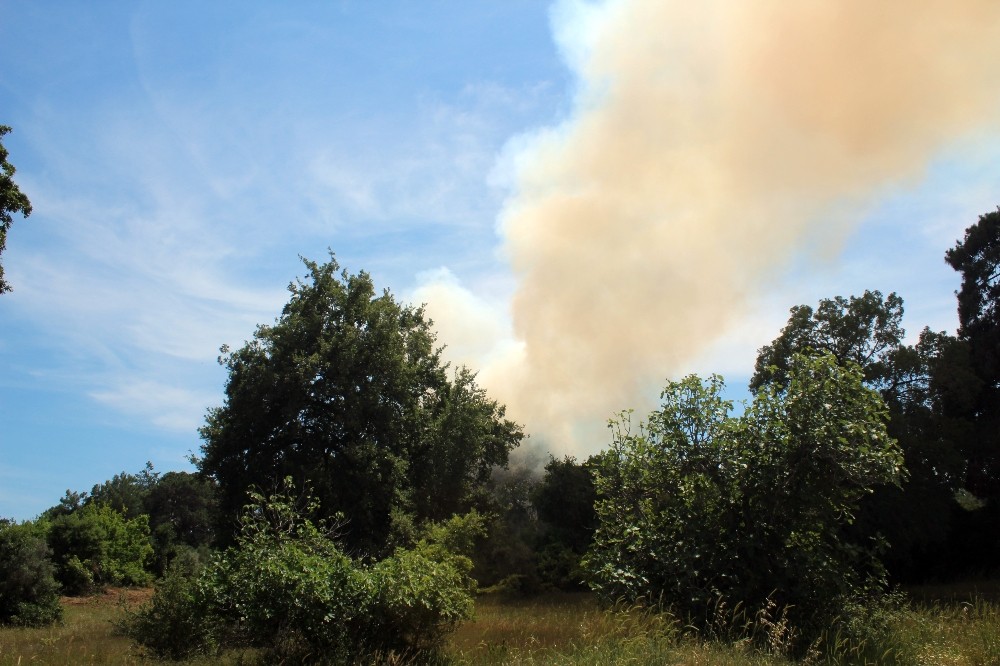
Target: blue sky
180,157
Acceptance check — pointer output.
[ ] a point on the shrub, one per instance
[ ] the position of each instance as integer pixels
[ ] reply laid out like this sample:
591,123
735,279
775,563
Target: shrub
421,594
28,591
95,546
286,588
173,624
698,506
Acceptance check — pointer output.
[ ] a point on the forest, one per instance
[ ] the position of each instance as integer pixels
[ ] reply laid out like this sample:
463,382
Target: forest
356,499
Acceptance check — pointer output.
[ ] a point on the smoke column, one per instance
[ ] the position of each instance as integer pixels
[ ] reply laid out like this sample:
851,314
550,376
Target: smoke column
711,142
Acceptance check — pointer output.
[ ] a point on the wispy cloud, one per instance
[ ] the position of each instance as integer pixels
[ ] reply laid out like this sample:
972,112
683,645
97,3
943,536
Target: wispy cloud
164,405
176,221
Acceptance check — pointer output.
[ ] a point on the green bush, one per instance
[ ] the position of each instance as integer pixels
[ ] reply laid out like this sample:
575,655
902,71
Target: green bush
423,593
29,594
699,507
95,545
288,590
75,577
173,624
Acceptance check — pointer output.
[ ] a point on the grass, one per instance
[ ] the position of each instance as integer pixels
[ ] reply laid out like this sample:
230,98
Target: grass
86,636
941,626
956,625
571,629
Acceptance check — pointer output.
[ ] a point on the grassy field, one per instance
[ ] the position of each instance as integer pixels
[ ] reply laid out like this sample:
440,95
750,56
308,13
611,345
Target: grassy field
946,626
86,635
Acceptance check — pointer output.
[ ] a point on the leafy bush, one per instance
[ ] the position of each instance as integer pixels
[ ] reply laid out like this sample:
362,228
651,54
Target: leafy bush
29,594
287,589
698,506
95,546
423,593
173,624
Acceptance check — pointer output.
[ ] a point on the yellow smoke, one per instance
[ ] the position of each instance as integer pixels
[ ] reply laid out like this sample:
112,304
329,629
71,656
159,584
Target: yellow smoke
710,142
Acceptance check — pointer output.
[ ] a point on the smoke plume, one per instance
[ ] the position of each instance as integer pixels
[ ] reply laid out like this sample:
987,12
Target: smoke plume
710,142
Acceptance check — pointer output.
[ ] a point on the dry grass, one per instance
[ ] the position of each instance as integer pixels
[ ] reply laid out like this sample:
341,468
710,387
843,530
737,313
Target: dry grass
943,628
946,626
86,635
571,629
554,621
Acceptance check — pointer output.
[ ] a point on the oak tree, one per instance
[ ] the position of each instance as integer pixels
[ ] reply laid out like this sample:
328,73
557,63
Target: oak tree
347,394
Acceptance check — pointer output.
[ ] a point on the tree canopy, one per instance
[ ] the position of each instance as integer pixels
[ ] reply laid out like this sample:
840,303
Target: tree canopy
347,394
12,201
865,330
977,258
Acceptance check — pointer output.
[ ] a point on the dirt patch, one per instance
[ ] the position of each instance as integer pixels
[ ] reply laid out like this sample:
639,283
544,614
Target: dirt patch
112,596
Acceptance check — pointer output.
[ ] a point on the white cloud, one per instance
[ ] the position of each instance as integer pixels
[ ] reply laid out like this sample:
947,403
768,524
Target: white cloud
164,405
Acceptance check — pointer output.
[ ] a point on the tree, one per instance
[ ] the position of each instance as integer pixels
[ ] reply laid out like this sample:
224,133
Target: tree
347,394
866,330
29,594
977,258
697,506
182,509
564,500
124,492
68,503
12,201
507,559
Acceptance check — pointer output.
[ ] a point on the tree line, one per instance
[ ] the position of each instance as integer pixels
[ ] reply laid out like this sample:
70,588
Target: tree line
353,490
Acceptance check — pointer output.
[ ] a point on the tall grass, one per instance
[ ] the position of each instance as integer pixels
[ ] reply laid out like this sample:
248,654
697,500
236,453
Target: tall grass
86,636
569,629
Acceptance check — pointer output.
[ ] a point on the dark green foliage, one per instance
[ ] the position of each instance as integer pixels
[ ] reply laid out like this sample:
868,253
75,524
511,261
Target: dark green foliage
864,330
564,500
697,505
12,201
179,508
183,514
29,594
286,588
68,503
541,524
507,559
916,518
347,394
126,493
977,258
96,546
